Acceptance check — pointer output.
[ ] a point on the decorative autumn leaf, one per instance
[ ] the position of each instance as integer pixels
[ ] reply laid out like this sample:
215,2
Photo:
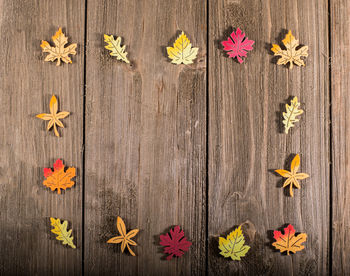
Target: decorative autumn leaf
233,246
175,243
124,238
237,45
182,52
115,48
292,176
289,242
291,54
59,179
53,117
289,116
60,229
59,52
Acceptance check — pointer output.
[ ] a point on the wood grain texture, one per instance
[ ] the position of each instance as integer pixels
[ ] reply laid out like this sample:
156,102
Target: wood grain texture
145,136
27,84
340,27
246,141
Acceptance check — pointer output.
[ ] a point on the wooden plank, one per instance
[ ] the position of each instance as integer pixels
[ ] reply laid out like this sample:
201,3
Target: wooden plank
27,84
246,143
340,26
145,136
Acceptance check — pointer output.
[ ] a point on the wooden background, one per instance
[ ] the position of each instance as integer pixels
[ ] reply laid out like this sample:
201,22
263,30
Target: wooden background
161,145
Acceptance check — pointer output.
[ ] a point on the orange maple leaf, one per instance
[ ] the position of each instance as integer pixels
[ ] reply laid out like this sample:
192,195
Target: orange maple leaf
59,179
289,242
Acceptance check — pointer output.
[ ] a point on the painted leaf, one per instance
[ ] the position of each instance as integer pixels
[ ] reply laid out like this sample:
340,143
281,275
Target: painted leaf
175,242
290,116
58,178
182,52
59,52
124,238
234,245
237,45
292,176
53,117
60,229
288,241
116,49
293,52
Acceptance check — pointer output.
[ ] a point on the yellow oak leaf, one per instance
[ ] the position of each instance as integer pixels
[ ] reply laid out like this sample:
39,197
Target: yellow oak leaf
114,46
58,52
60,229
291,54
288,241
233,246
58,178
292,176
289,116
53,117
182,52
124,238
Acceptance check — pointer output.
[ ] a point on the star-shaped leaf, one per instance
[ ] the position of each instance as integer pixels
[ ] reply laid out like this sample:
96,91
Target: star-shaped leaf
53,117
291,54
124,238
59,52
292,176
182,52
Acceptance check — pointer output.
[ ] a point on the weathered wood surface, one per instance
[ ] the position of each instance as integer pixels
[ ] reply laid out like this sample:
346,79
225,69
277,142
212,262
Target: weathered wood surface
159,151
246,143
26,85
340,87
145,136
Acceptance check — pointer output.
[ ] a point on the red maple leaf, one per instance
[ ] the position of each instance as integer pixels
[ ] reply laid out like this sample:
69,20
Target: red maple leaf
237,45
176,243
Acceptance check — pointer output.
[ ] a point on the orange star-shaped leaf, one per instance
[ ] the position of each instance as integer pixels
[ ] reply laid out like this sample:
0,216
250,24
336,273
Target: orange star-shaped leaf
58,178
292,176
124,238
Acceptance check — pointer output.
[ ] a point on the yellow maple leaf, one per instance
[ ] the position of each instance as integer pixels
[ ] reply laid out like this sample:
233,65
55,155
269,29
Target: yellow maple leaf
60,229
289,242
114,46
291,54
59,179
124,238
292,176
289,116
53,117
233,246
182,52
59,52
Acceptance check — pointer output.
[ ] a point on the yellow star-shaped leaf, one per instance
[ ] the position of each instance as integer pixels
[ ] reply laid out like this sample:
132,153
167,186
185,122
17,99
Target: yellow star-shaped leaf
124,238
292,176
59,52
291,54
53,117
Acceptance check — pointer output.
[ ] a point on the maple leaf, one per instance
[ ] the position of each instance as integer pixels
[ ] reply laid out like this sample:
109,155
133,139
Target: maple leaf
59,179
292,111
291,54
53,117
182,52
115,48
292,176
237,45
59,52
60,229
175,243
233,246
289,242
124,238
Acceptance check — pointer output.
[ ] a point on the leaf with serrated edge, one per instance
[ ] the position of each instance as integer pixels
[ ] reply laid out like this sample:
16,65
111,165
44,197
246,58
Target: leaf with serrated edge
60,229
290,116
182,52
234,245
114,46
